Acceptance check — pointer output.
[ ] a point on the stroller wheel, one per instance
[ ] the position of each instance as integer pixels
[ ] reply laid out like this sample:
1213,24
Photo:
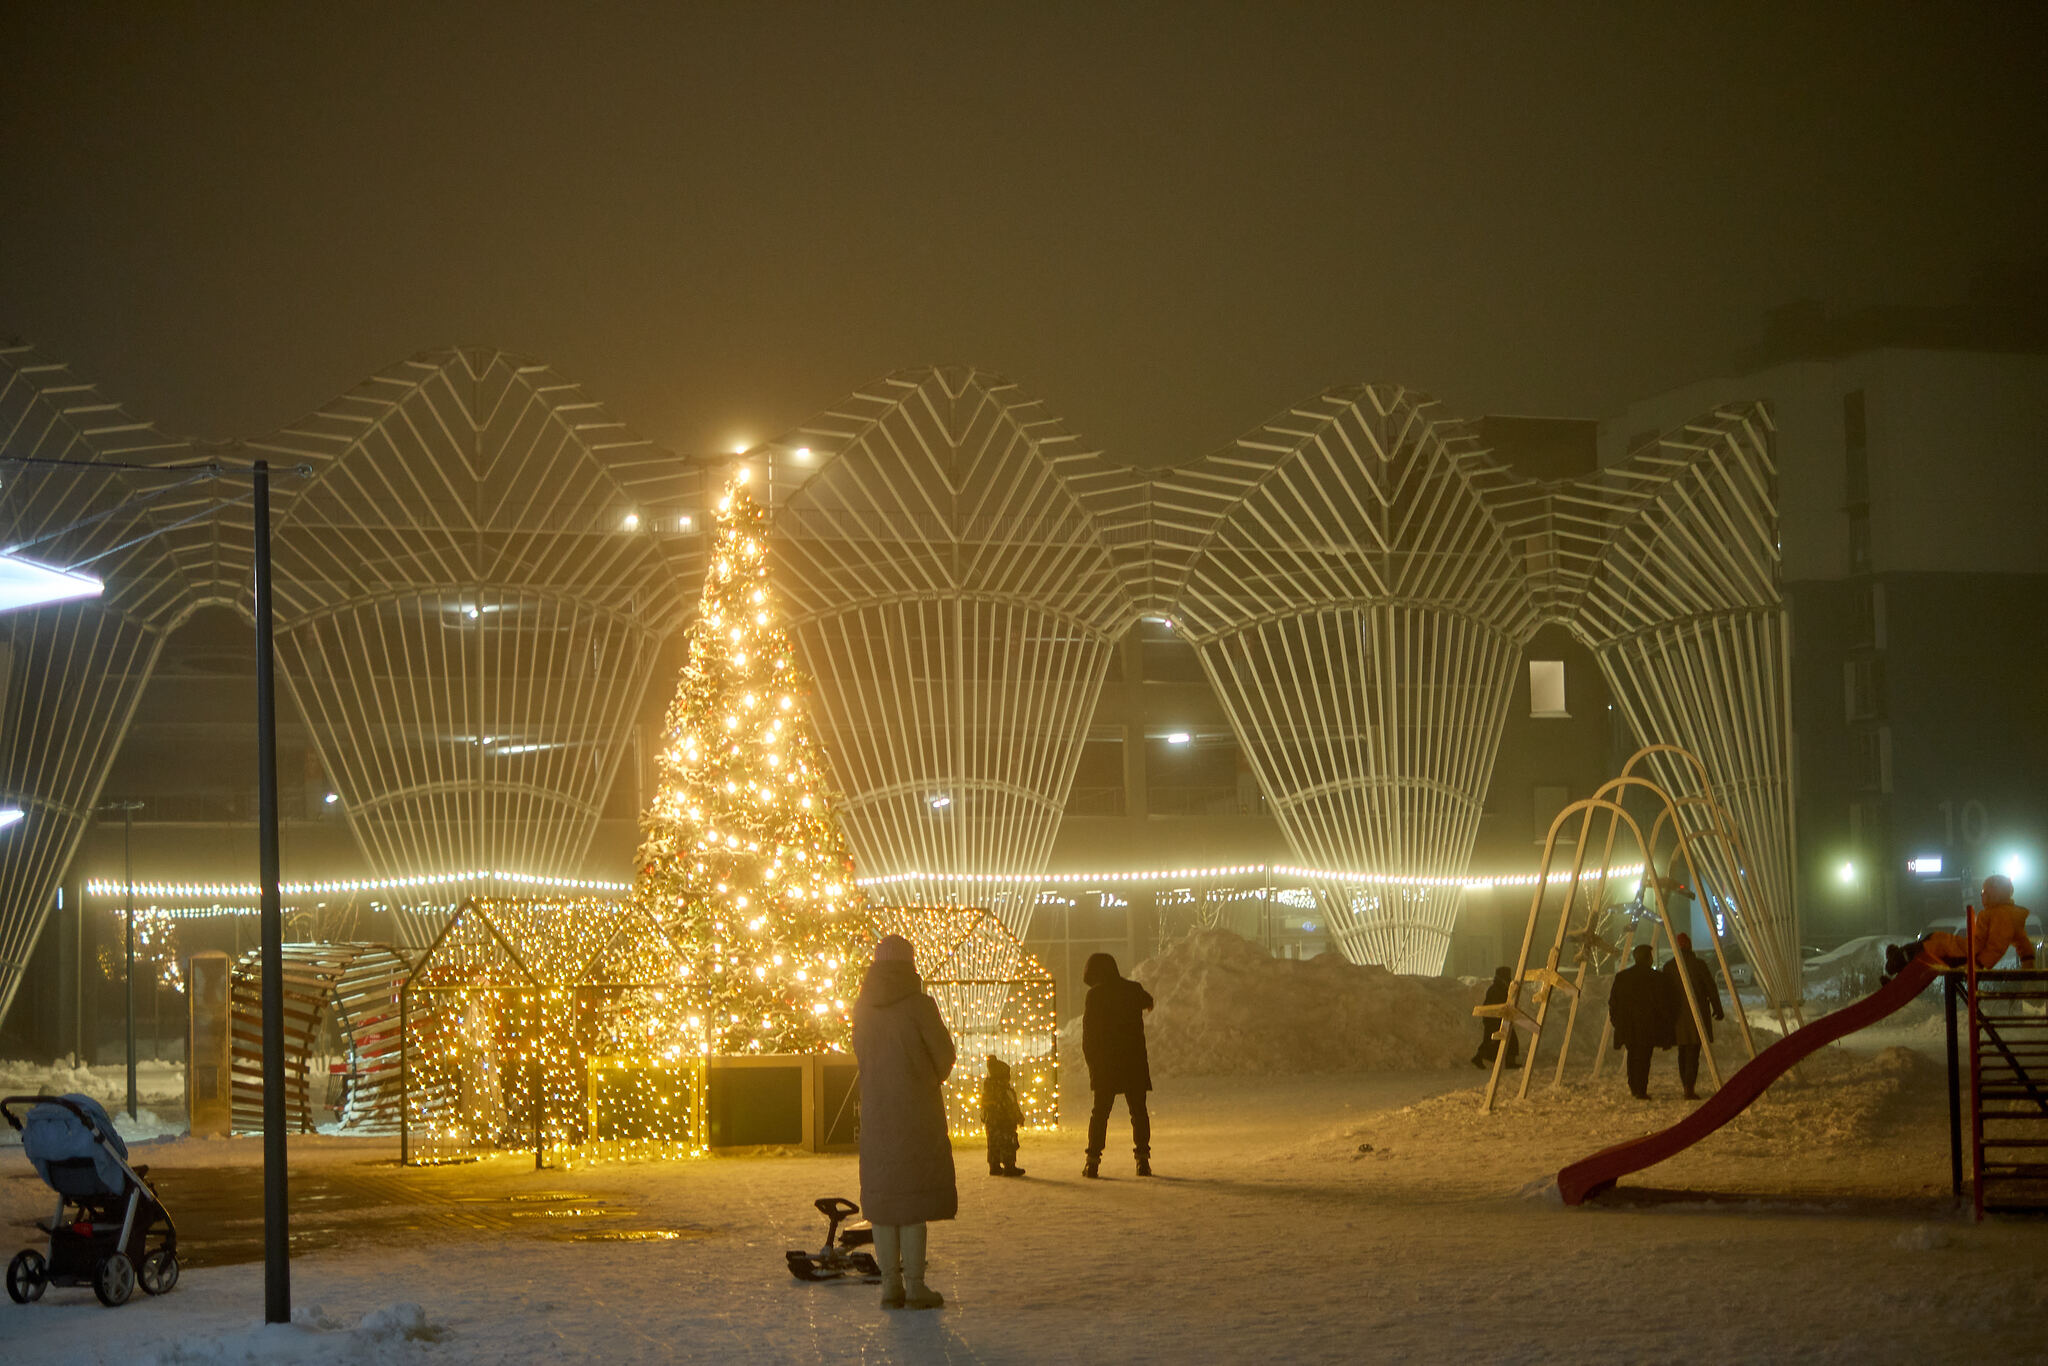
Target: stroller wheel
27,1274
113,1280
159,1272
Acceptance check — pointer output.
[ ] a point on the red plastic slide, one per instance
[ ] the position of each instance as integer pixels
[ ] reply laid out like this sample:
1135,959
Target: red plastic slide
1591,1175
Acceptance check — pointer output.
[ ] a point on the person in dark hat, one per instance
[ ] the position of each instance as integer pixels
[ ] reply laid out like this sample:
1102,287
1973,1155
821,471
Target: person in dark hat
1690,1039
1113,1043
1489,1043
1637,1010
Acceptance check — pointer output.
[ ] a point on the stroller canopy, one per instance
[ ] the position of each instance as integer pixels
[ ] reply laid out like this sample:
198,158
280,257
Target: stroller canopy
52,1133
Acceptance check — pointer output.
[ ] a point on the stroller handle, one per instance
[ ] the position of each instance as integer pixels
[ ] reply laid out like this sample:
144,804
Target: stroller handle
85,1116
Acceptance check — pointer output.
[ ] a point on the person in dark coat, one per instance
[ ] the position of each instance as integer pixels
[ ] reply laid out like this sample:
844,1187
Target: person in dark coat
1642,1023
1709,997
1000,1117
906,1154
1497,995
1113,1043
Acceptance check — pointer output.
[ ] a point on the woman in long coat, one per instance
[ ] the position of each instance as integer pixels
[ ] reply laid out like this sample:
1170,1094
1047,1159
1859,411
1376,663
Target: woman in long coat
1113,1042
906,1155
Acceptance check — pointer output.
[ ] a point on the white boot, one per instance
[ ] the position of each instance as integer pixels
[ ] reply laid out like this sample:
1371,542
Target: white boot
888,1255
916,1294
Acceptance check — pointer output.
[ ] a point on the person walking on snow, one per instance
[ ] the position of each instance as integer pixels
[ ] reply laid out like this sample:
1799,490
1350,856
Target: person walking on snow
2001,925
1000,1116
1709,997
1113,1044
1642,1023
906,1155
1497,995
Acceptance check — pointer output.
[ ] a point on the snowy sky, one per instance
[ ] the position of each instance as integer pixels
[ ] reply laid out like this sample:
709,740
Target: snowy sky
1168,221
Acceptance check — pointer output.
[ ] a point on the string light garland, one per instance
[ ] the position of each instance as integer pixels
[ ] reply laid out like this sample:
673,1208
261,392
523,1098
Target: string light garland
742,863
1223,872
567,1024
220,891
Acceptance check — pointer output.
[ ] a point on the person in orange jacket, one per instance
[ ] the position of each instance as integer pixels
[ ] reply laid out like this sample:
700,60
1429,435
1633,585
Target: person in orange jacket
2001,925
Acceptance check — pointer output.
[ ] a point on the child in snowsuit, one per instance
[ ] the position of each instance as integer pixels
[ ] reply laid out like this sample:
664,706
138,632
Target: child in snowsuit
1000,1115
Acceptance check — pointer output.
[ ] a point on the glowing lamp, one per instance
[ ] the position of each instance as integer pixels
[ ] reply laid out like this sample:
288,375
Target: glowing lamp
24,584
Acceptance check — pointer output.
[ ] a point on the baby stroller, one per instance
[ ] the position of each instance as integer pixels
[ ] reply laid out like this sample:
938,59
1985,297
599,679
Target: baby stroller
105,1243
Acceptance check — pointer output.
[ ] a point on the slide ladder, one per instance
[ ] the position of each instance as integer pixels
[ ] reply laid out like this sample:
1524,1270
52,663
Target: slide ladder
1591,1175
2009,1089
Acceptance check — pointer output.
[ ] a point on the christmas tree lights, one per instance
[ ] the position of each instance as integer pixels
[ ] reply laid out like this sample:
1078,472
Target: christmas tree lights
742,863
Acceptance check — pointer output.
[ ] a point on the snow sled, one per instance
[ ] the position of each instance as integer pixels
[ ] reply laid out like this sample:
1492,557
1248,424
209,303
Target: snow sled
105,1243
837,1259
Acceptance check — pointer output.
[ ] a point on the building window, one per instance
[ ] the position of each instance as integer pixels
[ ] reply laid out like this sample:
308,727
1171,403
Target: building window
1546,689
1855,451
1859,539
1870,616
1863,689
1874,759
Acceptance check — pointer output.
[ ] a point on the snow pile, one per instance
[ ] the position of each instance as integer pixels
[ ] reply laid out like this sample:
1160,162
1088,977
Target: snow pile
1225,1006
395,1333
1837,1102
157,1084
161,1084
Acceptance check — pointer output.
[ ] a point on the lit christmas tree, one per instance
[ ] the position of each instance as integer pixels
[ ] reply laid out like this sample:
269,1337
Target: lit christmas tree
742,862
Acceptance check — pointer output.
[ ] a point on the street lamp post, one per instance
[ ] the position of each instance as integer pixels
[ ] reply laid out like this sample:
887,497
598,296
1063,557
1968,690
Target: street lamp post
277,1284
128,810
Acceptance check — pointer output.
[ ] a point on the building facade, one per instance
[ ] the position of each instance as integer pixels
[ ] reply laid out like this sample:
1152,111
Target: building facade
1913,489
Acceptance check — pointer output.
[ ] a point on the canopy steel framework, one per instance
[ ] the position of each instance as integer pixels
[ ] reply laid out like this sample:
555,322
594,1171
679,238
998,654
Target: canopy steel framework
476,578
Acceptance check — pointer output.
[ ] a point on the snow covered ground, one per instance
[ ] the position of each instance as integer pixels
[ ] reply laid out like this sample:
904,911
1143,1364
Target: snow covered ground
1361,1216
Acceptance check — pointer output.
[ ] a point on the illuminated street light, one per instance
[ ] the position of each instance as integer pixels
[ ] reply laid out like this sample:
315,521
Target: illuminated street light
941,802
631,522
24,584
2014,866
1846,874
1178,737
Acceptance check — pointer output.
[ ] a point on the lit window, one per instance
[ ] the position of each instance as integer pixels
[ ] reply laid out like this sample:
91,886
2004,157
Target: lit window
1546,688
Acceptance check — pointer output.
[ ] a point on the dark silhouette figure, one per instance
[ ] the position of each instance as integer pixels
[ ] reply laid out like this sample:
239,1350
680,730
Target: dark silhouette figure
1000,1116
1489,1046
1113,1042
1709,996
1641,1017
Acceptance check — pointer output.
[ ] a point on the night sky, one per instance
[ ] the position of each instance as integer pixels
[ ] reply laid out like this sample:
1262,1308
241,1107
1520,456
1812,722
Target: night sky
1168,221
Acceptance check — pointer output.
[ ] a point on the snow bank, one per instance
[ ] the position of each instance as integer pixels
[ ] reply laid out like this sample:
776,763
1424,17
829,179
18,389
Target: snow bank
395,1333
161,1084
157,1084
1225,1006
1838,1103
